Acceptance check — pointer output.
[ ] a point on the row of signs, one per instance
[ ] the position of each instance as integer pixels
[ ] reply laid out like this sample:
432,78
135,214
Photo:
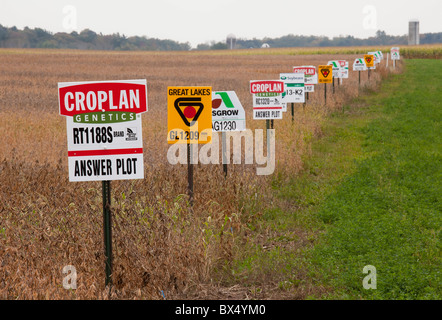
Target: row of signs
104,128
103,119
270,97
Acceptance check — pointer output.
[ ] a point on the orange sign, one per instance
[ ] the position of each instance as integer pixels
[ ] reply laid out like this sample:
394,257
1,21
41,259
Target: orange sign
189,114
325,74
369,60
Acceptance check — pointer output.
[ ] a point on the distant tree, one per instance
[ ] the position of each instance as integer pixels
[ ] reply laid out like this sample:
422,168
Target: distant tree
427,38
218,46
87,35
88,39
3,33
203,46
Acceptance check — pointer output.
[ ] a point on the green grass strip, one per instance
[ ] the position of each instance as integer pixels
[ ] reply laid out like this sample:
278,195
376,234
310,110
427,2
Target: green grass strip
387,212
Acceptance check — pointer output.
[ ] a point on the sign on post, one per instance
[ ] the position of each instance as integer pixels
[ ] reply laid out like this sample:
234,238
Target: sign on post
344,68
376,57
189,115
325,74
395,53
336,68
293,87
227,112
311,77
267,99
227,115
380,54
359,65
104,133
369,60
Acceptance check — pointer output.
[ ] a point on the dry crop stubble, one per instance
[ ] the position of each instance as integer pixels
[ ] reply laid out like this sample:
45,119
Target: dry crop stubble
160,246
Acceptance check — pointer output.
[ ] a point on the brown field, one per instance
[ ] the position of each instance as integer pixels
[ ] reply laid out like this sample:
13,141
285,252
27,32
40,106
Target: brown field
160,245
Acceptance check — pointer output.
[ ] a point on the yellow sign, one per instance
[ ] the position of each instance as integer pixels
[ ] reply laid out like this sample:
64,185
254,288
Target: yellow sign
325,74
189,114
369,60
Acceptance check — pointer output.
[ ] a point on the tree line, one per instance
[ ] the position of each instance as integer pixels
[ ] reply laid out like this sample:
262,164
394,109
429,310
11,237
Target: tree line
88,39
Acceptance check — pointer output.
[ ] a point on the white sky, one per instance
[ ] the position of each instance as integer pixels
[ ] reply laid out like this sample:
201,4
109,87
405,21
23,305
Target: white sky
200,21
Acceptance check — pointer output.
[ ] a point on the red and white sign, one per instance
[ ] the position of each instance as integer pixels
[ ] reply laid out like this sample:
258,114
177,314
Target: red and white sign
104,132
265,86
311,77
344,68
84,97
310,73
395,53
267,99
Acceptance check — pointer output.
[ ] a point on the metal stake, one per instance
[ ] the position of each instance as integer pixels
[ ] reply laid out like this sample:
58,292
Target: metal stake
293,111
325,93
224,152
190,172
107,228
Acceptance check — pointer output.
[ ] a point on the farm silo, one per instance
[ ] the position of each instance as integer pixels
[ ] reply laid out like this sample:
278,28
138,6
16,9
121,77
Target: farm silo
413,32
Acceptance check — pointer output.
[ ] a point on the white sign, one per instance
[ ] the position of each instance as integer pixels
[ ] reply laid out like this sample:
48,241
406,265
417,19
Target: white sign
293,87
359,65
381,55
267,106
311,77
104,132
309,88
344,68
377,57
395,53
267,99
336,68
227,112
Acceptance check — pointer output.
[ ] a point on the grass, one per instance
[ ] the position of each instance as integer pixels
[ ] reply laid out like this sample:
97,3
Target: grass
369,195
387,213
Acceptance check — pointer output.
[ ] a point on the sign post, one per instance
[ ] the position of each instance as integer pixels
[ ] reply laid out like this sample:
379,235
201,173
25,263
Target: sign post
104,135
369,62
336,72
310,79
267,102
227,115
294,85
190,173
359,65
189,120
107,230
395,55
293,111
325,75
344,69
267,99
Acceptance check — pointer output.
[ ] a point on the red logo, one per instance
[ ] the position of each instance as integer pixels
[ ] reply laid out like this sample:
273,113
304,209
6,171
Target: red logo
264,86
325,72
189,109
102,96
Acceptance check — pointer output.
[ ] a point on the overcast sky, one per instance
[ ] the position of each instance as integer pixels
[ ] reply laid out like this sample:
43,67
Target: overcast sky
201,21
